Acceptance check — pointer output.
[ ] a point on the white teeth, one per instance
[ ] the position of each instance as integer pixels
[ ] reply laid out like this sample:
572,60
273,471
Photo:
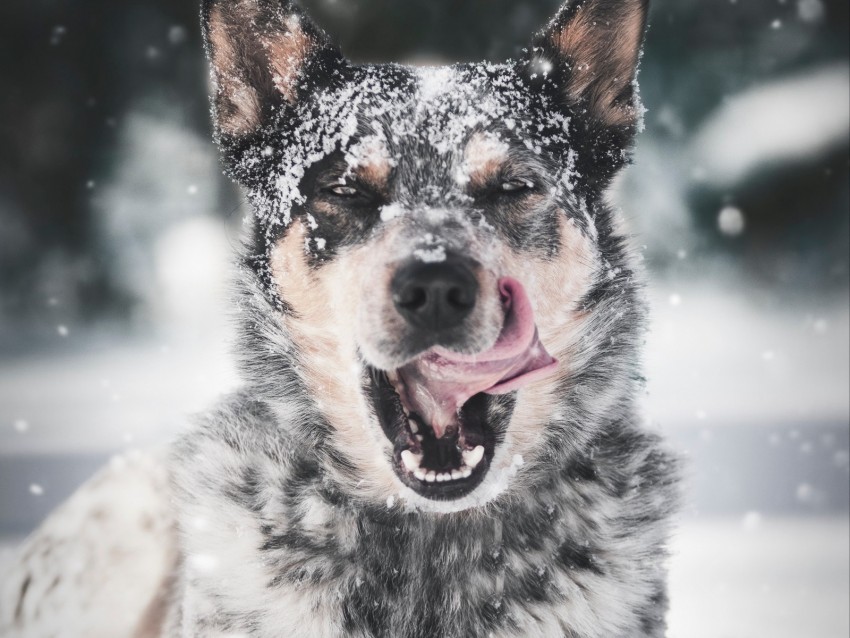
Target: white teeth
413,427
432,476
473,457
392,377
411,461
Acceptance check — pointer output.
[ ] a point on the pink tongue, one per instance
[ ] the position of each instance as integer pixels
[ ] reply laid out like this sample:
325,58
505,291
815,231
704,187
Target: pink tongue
439,382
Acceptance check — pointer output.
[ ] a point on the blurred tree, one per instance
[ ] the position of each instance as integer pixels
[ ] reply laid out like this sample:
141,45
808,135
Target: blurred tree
71,73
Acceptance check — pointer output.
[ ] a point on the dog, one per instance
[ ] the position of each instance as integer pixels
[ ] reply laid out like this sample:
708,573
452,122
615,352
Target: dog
440,332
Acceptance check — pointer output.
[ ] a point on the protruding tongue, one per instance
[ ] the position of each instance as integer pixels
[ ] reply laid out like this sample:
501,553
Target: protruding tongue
438,383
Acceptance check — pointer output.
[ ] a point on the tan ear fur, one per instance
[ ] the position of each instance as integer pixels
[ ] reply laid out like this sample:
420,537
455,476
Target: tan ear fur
598,44
257,51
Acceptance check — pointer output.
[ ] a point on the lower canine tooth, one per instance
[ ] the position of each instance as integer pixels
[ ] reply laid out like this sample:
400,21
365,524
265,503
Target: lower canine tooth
411,461
473,457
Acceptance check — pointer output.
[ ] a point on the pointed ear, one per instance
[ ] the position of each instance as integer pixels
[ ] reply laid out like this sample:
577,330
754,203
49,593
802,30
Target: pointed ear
595,46
260,52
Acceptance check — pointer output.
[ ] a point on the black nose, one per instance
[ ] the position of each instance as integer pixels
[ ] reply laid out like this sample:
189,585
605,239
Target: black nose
435,296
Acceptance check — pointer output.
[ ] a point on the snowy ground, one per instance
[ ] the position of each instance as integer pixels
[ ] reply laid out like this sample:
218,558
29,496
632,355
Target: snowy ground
776,578
751,578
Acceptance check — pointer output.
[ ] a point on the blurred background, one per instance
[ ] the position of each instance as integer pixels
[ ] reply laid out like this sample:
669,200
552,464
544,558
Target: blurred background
117,229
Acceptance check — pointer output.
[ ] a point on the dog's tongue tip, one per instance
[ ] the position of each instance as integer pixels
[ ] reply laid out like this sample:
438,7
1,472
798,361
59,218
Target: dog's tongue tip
519,334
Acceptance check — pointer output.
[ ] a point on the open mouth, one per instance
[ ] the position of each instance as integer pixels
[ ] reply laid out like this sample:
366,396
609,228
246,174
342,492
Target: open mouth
437,409
440,467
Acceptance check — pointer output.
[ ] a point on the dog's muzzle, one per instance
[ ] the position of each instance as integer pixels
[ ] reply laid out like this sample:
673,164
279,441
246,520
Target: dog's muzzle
437,408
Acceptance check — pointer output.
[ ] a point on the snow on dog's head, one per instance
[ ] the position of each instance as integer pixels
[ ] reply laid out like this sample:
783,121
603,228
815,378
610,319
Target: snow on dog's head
432,262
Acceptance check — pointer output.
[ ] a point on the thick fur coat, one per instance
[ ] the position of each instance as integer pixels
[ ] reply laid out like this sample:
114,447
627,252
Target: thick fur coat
318,501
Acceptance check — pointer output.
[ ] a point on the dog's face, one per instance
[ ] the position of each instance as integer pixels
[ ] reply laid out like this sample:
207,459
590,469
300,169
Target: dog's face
430,236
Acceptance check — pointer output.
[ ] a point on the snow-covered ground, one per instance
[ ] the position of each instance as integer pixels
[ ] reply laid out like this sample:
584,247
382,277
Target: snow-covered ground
750,578
105,397
727,354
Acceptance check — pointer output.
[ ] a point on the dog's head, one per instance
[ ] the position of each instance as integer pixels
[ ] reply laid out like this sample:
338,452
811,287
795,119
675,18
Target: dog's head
434,262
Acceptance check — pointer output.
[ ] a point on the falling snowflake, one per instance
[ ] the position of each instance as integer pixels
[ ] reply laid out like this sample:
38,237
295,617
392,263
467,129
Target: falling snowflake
731,221
810,10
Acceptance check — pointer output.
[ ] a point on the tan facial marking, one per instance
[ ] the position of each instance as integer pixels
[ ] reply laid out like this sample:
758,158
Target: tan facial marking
376,174
483,158
323,327
370,161
326,208
555,287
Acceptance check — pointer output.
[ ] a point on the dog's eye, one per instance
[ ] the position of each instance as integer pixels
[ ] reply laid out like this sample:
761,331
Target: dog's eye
343,190
516,186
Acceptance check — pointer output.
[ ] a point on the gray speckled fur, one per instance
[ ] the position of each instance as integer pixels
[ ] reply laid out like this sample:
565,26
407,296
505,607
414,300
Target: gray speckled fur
574,548
578,555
